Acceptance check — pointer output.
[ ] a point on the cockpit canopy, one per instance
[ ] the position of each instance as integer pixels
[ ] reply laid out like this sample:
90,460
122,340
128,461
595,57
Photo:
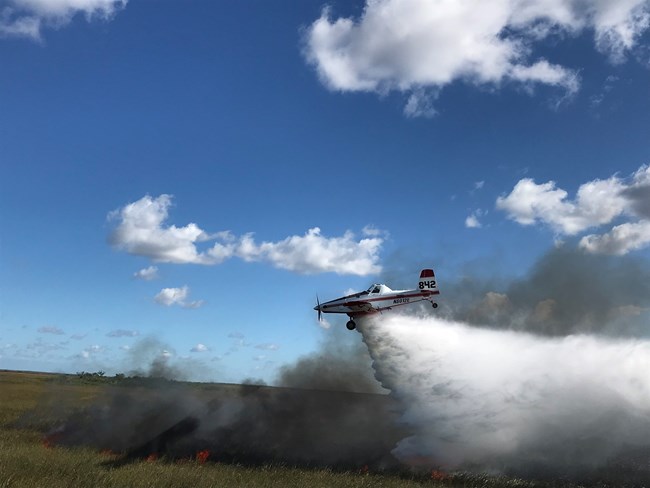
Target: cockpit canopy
377,289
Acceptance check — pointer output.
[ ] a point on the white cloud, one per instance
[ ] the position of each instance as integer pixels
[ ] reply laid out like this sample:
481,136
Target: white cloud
147,274
90,351
176,296
315,253
26,18
419,46
597,203
141,230
200,348
620,240
472,222
268,346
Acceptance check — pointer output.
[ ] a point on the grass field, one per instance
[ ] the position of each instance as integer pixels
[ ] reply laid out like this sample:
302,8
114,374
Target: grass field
31,404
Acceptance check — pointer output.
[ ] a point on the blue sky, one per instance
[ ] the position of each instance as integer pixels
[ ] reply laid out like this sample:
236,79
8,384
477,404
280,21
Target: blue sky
411,133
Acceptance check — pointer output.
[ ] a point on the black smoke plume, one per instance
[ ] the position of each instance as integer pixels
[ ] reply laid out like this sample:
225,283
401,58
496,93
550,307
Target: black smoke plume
327,412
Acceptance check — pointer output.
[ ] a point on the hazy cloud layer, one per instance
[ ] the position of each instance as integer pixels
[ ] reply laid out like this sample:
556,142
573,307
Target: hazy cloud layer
419,46
122,333
141,230
50,329
27,18
596,203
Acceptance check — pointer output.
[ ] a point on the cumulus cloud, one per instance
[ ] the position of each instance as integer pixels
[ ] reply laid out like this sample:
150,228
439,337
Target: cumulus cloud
147,274
141,230
597,203
472,221
200,348
620,240
50,329
419,46
176,296
27,18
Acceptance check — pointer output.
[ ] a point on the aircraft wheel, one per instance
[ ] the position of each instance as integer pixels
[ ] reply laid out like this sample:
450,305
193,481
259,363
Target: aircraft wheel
434,305
351,325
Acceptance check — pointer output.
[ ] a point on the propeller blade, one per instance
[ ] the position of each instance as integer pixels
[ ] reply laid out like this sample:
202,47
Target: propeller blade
319,310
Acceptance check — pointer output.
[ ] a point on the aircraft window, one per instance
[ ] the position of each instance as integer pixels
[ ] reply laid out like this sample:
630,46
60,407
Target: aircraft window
376,290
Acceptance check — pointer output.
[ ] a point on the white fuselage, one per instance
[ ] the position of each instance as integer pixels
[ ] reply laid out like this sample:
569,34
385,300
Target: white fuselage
375,299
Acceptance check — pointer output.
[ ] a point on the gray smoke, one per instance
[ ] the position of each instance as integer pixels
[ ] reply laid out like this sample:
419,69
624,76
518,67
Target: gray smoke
342,363
324,414
566,292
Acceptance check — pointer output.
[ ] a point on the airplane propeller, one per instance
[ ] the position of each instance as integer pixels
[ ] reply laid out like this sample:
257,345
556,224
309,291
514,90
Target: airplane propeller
320,314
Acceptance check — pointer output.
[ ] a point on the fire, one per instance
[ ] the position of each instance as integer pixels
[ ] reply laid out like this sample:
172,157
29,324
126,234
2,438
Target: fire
50,441
152,457
438,475
202,456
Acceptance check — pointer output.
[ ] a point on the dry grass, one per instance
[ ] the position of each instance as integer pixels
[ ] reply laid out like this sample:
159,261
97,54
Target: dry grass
26,462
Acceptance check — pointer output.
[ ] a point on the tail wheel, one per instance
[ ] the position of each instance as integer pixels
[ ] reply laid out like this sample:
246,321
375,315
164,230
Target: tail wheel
434,305
351,325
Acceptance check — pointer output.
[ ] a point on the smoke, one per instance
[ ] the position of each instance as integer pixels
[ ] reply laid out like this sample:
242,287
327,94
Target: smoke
342,363
324,414
567,291
509,401
545,374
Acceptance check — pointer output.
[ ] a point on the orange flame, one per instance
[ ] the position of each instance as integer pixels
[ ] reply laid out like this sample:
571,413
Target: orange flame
438,475
202,456
50,441
152,457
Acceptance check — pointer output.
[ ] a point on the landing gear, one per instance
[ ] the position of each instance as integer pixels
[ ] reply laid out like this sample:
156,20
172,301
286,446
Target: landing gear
434,304
351,325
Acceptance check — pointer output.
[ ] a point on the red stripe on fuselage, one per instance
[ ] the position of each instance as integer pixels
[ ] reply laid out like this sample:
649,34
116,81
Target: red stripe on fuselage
393,297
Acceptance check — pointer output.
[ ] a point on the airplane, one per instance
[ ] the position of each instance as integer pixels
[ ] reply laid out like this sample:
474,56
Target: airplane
379,298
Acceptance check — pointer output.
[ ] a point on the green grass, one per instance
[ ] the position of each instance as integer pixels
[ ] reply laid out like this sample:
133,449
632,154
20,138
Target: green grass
26,462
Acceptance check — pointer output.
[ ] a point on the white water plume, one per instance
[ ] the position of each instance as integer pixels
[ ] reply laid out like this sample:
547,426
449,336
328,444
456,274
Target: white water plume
505,400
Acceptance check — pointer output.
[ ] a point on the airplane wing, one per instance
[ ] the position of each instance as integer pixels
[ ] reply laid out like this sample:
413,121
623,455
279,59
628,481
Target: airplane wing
361,307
